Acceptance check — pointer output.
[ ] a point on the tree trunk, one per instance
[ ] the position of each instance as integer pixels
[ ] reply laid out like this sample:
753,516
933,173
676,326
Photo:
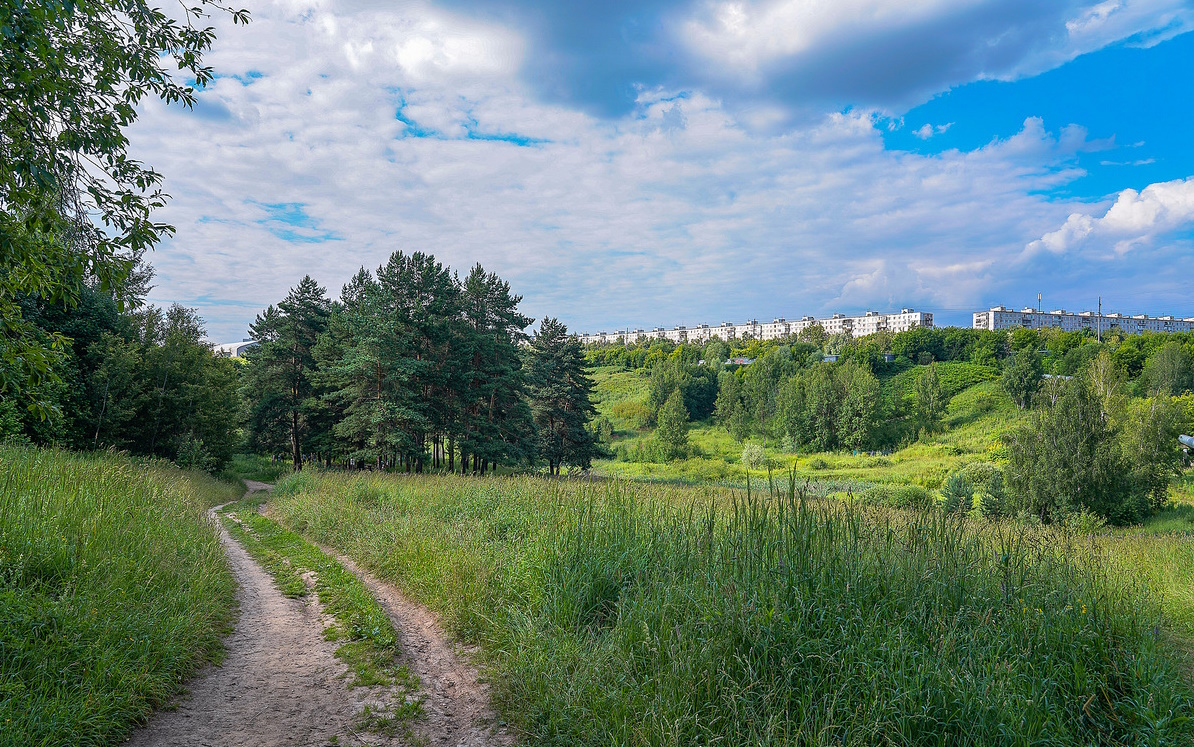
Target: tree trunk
296,447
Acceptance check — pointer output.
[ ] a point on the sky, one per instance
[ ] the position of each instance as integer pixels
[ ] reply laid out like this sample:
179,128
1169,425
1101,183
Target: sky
657,163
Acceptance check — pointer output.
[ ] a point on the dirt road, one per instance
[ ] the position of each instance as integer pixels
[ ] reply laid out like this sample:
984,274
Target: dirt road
281,684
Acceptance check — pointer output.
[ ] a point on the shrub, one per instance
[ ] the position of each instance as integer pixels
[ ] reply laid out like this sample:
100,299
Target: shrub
898,496
817,463
958,493
987,480
753,456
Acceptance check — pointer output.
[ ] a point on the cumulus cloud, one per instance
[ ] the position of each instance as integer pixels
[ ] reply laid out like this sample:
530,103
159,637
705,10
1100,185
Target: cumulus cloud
804,56
926,131
1135,219
348,132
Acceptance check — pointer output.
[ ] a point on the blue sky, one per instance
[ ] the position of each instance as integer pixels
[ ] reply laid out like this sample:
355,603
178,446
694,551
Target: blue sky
660,163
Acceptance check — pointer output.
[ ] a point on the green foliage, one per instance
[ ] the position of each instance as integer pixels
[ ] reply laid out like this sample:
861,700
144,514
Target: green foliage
730,409
414,365
958,494
1150,431
113,589
698,384
930,400
638,614
279,382
1022,377
912,497
146,383
636,414
673,423
74,208
828,406
1169,372
753,456
1067,458
560,393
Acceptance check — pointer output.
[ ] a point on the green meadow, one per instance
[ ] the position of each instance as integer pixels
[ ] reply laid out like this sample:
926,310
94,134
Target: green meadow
113,590
615,612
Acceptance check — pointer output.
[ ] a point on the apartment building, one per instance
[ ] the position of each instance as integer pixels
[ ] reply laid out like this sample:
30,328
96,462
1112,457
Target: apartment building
859,326
1001,317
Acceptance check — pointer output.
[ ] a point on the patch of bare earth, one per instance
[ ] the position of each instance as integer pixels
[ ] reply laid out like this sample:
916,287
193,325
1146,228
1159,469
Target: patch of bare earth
280,683
455,700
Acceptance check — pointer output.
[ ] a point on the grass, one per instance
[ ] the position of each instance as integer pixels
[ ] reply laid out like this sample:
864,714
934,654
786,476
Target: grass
975,419
113,589
624,613
256,467
370,644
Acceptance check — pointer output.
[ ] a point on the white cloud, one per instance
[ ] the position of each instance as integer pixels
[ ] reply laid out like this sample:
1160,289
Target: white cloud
1133,220
898,53
679,212
926,131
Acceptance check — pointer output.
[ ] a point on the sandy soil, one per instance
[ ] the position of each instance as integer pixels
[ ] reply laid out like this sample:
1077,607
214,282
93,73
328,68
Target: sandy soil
455,700
281,684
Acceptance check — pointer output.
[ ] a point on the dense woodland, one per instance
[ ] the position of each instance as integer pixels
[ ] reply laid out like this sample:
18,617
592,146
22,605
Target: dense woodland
416,367
145,382
1098,432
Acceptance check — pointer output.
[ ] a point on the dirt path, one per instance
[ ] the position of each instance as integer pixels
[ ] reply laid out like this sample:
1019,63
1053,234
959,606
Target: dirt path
280,683
456,702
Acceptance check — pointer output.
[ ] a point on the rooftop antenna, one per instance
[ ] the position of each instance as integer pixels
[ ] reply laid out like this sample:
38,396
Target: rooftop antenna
1099,326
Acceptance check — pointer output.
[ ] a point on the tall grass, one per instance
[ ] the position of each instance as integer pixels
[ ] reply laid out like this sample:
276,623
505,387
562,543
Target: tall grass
113,588
653,615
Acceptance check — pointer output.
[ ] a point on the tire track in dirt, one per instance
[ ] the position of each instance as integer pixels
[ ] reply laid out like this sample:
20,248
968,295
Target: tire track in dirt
279,684
455,700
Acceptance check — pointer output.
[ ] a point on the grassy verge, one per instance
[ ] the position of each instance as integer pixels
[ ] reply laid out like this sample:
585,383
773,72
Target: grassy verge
370,643
655,615
113,589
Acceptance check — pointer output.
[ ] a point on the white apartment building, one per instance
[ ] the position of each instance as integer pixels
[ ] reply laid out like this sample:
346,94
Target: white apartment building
859,326
1001,317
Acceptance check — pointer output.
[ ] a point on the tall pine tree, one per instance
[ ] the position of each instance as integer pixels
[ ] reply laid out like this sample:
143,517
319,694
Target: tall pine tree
561,397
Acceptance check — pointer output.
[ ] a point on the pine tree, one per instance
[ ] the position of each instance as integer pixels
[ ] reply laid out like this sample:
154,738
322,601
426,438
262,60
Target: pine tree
560,391
279,380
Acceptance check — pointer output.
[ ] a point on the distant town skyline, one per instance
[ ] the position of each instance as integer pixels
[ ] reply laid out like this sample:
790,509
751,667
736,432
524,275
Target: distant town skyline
717,160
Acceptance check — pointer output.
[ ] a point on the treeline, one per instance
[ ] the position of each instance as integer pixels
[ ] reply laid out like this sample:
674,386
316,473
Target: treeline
414,367
140,381
1098,441
790,397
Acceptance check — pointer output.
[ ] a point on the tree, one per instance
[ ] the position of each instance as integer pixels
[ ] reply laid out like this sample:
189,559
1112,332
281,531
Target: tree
560,392
930,399
74,208
858,413
815,334
1109,385
1150,444
1022,377
1169,372
673,423
279,377
730,410
1067,459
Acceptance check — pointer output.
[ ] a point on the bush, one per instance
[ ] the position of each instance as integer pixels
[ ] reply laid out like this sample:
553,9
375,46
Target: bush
753,456
987,480
817,463
958,493
898,496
